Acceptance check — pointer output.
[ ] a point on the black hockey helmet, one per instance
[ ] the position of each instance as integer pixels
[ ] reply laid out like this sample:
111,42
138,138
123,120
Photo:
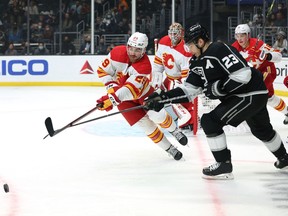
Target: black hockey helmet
195,32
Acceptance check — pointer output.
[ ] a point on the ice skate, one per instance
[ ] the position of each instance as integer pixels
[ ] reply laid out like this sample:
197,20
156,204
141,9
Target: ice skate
180,137
282,162
219,171
187,129
174,152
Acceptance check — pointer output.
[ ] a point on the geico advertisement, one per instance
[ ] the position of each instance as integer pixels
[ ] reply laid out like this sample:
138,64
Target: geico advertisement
281,68
49,68
74,69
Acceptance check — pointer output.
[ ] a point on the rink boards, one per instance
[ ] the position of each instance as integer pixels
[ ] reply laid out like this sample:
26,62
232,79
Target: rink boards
74,71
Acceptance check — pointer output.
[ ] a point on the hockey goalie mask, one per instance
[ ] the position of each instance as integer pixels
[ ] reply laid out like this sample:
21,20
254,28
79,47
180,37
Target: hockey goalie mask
136,46
175,33
242,35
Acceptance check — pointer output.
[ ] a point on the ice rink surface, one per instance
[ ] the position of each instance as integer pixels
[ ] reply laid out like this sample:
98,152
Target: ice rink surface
107,168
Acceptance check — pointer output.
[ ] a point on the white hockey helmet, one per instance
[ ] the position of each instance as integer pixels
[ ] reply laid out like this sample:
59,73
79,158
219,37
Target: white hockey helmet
138,40
242,29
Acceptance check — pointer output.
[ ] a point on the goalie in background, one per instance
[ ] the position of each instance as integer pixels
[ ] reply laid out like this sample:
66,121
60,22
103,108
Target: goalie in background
225,76
262,57
172,59
125,72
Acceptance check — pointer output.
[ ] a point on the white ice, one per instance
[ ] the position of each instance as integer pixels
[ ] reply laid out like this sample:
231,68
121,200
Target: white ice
107,168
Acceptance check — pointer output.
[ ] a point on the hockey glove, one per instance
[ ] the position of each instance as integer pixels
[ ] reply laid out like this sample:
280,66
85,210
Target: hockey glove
107,102
152,102
265,55
214,90
111,87
286,81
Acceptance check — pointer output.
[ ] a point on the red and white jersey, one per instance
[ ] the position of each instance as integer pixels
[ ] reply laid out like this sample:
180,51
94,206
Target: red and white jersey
173,60
254,52
131,78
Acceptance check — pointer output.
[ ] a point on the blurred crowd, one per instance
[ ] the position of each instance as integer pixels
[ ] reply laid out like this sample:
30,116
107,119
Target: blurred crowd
42,19
40,24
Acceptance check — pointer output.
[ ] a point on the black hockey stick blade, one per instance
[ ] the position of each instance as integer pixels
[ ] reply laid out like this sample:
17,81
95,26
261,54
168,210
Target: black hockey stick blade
49,127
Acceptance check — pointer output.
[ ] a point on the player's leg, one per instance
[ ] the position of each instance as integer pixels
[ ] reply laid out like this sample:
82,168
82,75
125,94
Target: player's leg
262,129
164,120
280,105
157,136
232,111
216,138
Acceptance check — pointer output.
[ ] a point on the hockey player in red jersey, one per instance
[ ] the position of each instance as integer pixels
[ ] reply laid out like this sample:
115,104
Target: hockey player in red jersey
261,56
125,73
170,67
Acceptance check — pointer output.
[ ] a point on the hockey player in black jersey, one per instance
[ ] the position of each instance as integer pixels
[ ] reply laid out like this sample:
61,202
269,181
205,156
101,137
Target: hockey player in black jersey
219,71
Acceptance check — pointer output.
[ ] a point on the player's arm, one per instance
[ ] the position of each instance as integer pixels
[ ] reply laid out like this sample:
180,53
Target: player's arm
238,74
183,94
157,71
270,54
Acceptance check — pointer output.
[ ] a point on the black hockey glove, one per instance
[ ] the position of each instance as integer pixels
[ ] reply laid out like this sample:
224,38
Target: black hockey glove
214,90
268,57
152,101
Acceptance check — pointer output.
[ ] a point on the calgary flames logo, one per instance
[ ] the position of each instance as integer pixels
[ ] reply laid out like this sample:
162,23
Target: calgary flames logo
168,60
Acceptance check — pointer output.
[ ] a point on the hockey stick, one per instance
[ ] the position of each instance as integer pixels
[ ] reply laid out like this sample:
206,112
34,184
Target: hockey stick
155,45
52,132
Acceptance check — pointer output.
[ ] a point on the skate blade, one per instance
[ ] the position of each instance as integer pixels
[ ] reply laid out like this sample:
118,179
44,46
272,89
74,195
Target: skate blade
226,176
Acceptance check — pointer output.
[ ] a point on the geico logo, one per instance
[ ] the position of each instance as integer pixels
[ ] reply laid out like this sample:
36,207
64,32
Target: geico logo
34,67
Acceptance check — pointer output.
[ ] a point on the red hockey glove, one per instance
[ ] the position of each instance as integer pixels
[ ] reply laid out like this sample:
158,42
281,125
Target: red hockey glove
286,81
111,87
107,102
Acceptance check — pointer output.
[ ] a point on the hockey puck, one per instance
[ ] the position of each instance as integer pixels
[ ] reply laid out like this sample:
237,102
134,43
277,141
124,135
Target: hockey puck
6,188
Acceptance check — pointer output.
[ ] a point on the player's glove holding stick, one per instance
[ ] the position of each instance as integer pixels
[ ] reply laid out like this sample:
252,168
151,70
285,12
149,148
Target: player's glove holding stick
214,90
152,101
107,102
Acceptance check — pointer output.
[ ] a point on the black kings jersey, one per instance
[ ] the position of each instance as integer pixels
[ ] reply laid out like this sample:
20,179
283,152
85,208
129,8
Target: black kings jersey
223,62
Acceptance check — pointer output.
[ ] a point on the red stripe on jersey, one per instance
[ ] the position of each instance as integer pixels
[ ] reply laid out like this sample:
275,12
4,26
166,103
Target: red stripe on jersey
157,60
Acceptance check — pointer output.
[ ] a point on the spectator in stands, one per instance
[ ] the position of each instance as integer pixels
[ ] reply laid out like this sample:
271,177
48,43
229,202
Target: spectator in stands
67,24
99,26
33,8
37,32
85,13
48,34
41,49
258,18
24,49
11,49
122,28
68,47
101,49
16,13
15,34
281,43
109,24
85,47
280,20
